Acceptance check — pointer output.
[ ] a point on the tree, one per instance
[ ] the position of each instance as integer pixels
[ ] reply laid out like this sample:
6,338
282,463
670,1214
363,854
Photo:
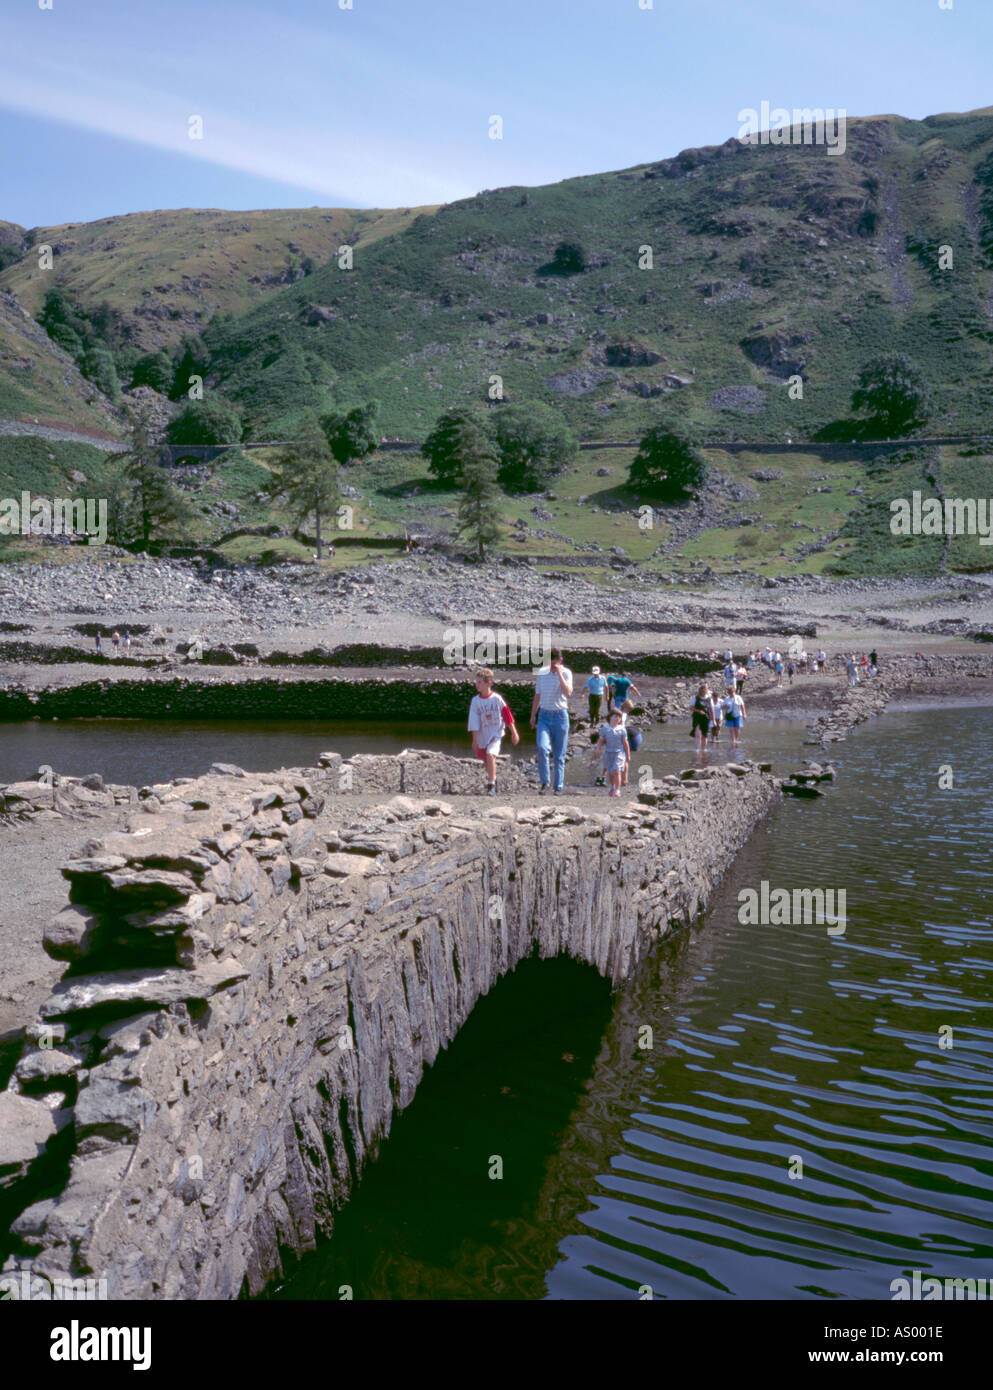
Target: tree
479,509
306,474
352,434
667,464
569,258
893,391
155,503
58,310
210,421
98,366
155,371
192,361
67,338
533,443
445,445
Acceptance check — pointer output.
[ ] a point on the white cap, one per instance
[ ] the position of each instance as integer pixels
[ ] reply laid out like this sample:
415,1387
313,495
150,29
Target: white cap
596,670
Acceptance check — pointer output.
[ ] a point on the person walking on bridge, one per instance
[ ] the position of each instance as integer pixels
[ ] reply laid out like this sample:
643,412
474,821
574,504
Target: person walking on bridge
550,717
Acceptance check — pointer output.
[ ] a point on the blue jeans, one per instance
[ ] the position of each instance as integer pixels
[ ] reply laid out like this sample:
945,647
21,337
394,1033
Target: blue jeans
553,737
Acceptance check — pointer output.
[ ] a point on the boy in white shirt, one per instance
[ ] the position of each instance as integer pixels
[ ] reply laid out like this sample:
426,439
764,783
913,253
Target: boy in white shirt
488,712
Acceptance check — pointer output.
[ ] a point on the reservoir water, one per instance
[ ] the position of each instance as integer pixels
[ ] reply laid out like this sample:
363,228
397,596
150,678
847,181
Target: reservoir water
777,1051
137,752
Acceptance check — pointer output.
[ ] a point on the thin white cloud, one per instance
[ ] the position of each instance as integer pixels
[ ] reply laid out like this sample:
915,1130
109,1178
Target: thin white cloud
331,163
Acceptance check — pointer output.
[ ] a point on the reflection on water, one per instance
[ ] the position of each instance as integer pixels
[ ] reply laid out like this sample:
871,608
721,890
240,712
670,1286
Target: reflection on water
137,752
771,1044
477,1167
141,751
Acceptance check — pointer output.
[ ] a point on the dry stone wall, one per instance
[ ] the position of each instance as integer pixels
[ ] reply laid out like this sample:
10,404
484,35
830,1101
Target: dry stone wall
261,967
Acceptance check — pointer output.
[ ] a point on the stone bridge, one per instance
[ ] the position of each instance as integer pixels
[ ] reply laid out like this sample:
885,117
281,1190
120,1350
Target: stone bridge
260,968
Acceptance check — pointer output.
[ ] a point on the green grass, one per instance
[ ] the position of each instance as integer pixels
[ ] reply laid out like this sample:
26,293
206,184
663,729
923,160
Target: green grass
44,467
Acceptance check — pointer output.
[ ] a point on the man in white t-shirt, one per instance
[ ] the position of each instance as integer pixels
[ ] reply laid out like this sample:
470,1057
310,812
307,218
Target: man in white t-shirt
488,713
550,716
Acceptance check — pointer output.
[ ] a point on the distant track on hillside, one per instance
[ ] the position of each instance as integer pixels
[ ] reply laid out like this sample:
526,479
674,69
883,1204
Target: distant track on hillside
766,446
57,434
171,453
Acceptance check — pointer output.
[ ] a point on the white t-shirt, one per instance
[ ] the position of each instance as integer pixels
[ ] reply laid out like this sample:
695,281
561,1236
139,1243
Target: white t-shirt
486,718
733,707
550,692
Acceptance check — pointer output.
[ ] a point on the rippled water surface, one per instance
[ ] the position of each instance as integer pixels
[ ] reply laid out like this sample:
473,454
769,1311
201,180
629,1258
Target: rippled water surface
670,1167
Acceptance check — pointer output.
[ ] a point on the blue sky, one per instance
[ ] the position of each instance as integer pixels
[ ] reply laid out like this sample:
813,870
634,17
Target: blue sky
388,104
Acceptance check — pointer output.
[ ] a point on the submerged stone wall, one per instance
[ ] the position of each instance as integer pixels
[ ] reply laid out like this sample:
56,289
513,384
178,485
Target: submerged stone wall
260,969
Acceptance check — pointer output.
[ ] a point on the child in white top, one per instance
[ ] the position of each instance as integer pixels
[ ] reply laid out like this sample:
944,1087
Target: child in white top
486,724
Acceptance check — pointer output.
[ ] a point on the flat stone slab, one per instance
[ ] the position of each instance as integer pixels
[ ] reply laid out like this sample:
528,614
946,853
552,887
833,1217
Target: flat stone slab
94,864
46,1063
344,865
161,883
162,987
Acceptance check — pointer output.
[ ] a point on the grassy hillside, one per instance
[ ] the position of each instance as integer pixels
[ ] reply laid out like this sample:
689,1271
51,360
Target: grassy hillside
169,273
767,261
39,381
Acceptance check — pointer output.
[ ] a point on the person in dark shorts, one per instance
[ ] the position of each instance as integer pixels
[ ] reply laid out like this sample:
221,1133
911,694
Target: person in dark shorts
700,725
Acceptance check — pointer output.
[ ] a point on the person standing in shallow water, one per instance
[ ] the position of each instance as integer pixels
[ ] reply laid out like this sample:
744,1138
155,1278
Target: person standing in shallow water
734,716
550,717
702,711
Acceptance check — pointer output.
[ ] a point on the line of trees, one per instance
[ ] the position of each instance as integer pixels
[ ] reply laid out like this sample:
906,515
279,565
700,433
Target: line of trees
516,449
